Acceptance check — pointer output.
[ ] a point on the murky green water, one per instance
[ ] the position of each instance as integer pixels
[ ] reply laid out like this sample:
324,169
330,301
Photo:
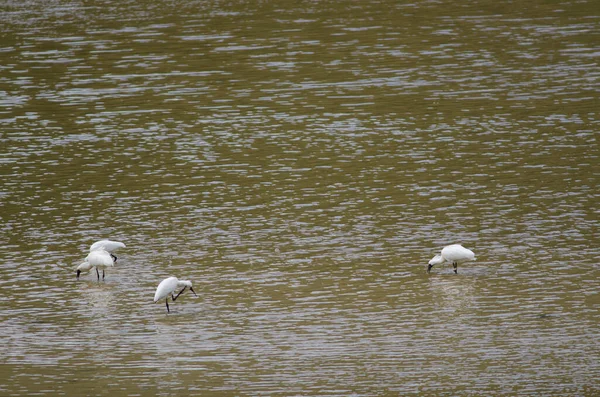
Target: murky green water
300,162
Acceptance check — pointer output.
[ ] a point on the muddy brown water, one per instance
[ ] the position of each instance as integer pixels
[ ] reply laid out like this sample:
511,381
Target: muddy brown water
300,162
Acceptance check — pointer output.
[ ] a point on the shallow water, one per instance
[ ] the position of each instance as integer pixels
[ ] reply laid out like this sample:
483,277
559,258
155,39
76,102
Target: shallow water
300,163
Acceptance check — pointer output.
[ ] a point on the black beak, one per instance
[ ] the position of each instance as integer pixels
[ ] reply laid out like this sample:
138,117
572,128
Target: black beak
429,268
78,273
191,289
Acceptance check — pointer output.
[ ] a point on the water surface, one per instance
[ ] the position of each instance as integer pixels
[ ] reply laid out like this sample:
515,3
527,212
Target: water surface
300,163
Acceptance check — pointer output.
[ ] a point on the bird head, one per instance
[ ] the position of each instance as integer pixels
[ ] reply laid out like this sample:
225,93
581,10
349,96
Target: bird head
186,283
85,268
436,260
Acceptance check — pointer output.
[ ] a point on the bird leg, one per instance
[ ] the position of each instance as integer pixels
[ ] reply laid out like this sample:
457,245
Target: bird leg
167,302
102,274
180,292
114,257
98,273
455,265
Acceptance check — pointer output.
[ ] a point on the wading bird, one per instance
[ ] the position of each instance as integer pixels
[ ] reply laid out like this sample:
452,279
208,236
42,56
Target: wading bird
107,245
455,254
100,259
103,245
168,286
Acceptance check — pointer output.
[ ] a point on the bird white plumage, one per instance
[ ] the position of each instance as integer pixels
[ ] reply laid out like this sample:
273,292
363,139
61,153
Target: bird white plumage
168,286
107,245
454,253
102,245
100,259
84,268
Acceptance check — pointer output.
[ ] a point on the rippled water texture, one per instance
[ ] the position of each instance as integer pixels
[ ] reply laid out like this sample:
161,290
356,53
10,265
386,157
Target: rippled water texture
300,162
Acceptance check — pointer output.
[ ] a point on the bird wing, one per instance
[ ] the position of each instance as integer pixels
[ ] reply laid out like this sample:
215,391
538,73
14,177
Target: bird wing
107,245
165,287
457,252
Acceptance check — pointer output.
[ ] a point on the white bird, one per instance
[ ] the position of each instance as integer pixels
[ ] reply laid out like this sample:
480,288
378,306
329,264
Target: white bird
107,245
84,268
100,259
455,254
168,286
